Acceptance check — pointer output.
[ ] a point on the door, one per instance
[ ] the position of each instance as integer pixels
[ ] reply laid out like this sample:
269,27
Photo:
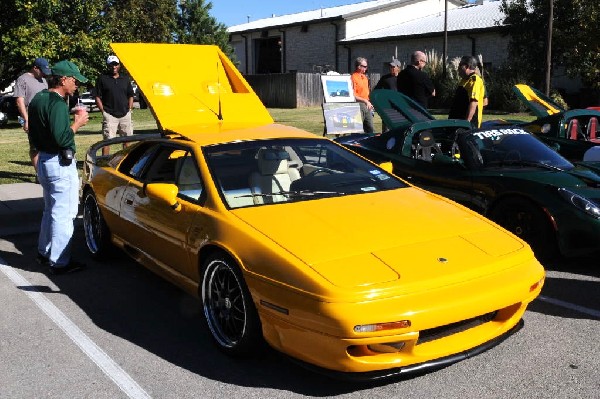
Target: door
159,231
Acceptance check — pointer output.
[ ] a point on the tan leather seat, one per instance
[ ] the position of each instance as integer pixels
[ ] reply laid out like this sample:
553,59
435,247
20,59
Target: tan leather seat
274,176
188,181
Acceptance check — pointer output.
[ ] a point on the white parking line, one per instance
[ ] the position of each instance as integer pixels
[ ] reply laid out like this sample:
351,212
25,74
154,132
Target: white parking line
93,351
572,306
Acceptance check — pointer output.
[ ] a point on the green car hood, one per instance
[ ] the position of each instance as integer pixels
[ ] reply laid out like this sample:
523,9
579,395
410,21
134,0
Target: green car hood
581,179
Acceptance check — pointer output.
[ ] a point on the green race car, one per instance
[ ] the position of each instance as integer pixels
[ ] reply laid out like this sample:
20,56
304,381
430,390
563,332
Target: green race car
505,173
571,132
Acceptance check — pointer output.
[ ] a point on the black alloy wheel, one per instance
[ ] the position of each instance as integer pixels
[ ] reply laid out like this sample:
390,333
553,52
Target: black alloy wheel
228,308
527,221
97,234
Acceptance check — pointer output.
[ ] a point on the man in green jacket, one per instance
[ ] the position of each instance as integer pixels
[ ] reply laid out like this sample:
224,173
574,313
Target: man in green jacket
53,134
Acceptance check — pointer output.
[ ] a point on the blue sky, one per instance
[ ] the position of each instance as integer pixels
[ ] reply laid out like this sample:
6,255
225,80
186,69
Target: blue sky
235,12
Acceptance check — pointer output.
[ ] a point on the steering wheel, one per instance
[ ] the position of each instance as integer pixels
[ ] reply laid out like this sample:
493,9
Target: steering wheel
320,170
455,151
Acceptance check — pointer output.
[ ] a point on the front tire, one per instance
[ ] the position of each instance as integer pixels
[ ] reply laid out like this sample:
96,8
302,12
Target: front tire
228,308
97,235
527,221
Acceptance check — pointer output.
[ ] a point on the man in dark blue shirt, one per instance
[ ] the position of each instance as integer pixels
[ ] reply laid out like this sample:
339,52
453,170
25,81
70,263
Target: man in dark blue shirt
114,98
415,83
389,81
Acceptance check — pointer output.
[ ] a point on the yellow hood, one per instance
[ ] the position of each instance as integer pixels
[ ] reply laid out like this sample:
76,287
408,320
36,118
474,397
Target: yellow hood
402,234
186,84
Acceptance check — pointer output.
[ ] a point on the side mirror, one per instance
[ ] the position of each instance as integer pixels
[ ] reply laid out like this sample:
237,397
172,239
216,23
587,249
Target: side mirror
555,147
164,192
387,166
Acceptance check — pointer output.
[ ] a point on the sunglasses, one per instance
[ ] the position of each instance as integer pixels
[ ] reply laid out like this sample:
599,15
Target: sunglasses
114,64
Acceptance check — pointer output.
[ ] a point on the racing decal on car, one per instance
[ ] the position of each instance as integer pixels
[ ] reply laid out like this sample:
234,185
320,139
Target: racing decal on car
496,134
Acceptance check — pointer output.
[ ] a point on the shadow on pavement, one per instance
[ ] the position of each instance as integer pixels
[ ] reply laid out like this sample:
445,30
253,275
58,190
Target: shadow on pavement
123,298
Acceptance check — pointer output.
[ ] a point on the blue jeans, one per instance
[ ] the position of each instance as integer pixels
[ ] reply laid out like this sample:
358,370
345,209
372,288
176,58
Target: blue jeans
60,184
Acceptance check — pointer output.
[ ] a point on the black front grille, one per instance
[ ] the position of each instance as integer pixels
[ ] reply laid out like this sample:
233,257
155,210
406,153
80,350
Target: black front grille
444,331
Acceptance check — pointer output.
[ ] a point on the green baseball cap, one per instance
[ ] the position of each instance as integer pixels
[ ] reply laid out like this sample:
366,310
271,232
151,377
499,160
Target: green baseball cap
67,68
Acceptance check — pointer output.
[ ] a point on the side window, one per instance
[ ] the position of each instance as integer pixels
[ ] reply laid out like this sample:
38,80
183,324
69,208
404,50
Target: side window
164,166
136,162
188,177
169,164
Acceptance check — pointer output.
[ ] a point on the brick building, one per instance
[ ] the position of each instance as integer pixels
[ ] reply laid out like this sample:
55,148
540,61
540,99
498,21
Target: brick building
331,38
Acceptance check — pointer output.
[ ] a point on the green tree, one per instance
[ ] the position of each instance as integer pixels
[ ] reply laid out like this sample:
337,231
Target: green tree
197,26
82,30
143,21
54,29
575,41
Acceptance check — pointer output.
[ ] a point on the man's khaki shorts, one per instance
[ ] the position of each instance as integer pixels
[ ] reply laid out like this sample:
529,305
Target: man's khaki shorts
112,126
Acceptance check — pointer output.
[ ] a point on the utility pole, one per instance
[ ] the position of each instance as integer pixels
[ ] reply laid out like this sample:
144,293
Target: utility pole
445,49
549,48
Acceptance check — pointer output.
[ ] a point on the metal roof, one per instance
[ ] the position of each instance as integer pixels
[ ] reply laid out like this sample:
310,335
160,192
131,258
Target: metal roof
468,17
313,15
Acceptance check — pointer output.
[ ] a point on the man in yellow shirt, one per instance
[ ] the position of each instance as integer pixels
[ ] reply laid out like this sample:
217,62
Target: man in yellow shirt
469,95
360,84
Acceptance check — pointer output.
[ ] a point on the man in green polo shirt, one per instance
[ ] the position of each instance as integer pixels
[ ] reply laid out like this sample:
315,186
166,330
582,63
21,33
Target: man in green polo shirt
53,134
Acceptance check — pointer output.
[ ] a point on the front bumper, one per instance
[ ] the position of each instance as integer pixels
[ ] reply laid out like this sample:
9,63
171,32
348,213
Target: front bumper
413,369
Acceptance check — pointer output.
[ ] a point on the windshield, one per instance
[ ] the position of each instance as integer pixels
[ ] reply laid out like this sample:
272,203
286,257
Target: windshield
285,170
514,146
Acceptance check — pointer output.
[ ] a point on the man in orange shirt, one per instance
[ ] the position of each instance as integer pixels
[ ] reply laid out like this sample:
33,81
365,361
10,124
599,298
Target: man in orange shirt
360,83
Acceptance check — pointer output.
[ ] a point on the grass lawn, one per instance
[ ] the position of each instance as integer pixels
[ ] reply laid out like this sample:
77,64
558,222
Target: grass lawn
15,166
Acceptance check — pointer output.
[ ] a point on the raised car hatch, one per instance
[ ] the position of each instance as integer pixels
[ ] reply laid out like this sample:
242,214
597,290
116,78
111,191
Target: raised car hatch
537,102
397,110
186,84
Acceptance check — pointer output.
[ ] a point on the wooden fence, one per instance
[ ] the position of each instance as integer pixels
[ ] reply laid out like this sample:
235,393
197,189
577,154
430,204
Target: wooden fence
292,90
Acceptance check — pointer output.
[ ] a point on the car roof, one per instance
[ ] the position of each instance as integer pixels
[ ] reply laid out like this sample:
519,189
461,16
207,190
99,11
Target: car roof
193,90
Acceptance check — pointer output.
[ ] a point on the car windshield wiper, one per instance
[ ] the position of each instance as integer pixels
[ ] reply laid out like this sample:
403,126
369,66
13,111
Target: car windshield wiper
308,193
291,194
540,165
522,162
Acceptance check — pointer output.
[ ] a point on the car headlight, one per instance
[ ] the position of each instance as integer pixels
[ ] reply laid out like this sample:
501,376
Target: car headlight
580,202
2,115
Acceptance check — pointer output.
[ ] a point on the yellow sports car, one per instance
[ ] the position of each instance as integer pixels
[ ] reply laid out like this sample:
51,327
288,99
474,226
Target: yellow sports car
290,238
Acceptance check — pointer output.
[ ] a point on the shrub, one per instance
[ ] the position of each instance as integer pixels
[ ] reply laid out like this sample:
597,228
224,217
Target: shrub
444,85
558,99
499,83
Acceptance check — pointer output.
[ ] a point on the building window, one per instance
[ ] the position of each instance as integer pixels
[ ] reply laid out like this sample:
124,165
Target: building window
268,55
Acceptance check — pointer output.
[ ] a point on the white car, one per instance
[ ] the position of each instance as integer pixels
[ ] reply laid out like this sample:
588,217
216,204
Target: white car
88,100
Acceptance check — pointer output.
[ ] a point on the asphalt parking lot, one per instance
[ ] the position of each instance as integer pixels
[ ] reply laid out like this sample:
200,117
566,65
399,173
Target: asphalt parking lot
115,330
